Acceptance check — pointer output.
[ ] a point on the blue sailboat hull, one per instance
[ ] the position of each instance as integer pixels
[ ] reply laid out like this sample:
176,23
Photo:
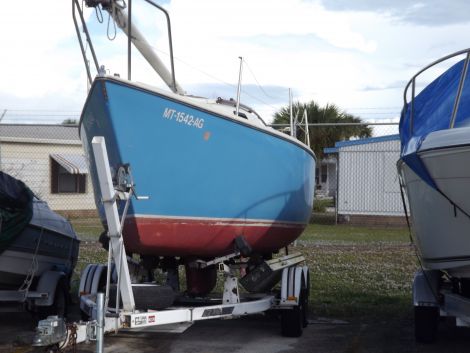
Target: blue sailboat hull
209,177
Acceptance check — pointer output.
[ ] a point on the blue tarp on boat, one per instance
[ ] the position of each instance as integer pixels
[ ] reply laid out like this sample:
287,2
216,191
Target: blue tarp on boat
432,111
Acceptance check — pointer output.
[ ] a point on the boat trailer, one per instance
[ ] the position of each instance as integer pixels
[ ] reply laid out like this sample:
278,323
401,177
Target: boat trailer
291,300
436,297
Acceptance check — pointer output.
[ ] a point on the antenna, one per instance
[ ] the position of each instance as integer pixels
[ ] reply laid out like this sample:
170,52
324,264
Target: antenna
239,88
291,114
307,132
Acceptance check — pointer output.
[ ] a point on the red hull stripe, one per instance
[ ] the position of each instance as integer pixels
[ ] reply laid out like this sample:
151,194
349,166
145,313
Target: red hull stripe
170,236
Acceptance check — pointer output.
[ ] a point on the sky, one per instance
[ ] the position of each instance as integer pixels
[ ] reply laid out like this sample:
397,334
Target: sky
357,54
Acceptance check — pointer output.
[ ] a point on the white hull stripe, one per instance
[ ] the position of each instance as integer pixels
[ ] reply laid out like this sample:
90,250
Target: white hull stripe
223,221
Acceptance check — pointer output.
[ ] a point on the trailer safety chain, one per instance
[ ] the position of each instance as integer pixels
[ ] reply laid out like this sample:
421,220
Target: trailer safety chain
32,268
73,337
70,344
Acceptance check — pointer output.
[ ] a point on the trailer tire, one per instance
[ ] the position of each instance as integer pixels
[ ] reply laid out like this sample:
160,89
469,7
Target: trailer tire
426,323
293,320
306,291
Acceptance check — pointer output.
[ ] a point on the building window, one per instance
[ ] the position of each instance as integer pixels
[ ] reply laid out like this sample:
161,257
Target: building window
63,182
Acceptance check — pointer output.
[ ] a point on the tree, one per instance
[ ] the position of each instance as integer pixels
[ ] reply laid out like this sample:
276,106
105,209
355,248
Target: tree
324,136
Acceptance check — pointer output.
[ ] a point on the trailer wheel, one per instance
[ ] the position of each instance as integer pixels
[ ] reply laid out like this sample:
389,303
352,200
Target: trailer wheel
426,322
306,291
293,320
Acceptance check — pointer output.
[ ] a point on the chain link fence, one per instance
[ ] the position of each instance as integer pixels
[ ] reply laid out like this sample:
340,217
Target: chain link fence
356,180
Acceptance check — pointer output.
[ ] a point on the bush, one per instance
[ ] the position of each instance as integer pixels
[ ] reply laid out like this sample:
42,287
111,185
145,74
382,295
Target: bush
320,205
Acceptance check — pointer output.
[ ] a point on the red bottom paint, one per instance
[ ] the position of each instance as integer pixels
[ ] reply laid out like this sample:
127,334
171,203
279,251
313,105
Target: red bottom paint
205,238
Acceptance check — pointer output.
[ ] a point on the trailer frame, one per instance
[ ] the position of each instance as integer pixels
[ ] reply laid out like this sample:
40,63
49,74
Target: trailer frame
291,301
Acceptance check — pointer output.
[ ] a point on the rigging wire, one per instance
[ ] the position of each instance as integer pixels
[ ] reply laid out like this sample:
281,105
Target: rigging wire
257,82
256,98
215,78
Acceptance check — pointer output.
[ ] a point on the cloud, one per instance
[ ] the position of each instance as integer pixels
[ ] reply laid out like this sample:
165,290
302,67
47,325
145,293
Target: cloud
351,53
251,93
39,57
433,13
244,19
386,86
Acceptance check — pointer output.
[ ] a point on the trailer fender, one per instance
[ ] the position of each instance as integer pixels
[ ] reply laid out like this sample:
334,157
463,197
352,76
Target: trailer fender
292,280
86,279
100,271
426,288
306,274
48,284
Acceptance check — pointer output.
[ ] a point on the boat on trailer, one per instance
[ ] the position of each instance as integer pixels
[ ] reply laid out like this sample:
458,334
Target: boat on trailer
222,192
38,247
211,170
434,170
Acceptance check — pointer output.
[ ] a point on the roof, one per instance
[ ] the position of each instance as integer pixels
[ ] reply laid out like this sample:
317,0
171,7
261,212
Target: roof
365,141
23,132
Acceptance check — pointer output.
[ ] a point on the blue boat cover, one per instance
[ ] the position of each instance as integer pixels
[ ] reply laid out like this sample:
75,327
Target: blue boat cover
432,112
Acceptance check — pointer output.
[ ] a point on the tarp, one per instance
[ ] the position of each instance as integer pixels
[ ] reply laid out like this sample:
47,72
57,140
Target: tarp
16,208
432,111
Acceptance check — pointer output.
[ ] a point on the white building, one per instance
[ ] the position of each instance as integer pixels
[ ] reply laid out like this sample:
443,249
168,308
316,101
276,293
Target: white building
50,160
368,190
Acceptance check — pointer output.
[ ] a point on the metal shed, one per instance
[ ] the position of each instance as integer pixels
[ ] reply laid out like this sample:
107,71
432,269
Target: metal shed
368,191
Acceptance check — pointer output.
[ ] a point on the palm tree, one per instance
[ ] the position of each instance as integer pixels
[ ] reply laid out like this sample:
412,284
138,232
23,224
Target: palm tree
324,136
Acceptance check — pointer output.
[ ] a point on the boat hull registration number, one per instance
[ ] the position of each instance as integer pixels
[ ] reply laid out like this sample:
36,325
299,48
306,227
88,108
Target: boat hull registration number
183,118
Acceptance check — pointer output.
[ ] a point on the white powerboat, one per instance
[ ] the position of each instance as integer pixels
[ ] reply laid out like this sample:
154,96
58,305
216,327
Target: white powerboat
434,168
435,173
435,136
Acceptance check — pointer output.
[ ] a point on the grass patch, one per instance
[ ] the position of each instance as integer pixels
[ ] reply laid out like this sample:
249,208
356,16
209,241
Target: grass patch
345,233
87,228
358,272
320,205
91,252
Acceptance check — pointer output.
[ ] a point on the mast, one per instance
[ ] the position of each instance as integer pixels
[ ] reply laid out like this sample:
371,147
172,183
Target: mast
139,41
